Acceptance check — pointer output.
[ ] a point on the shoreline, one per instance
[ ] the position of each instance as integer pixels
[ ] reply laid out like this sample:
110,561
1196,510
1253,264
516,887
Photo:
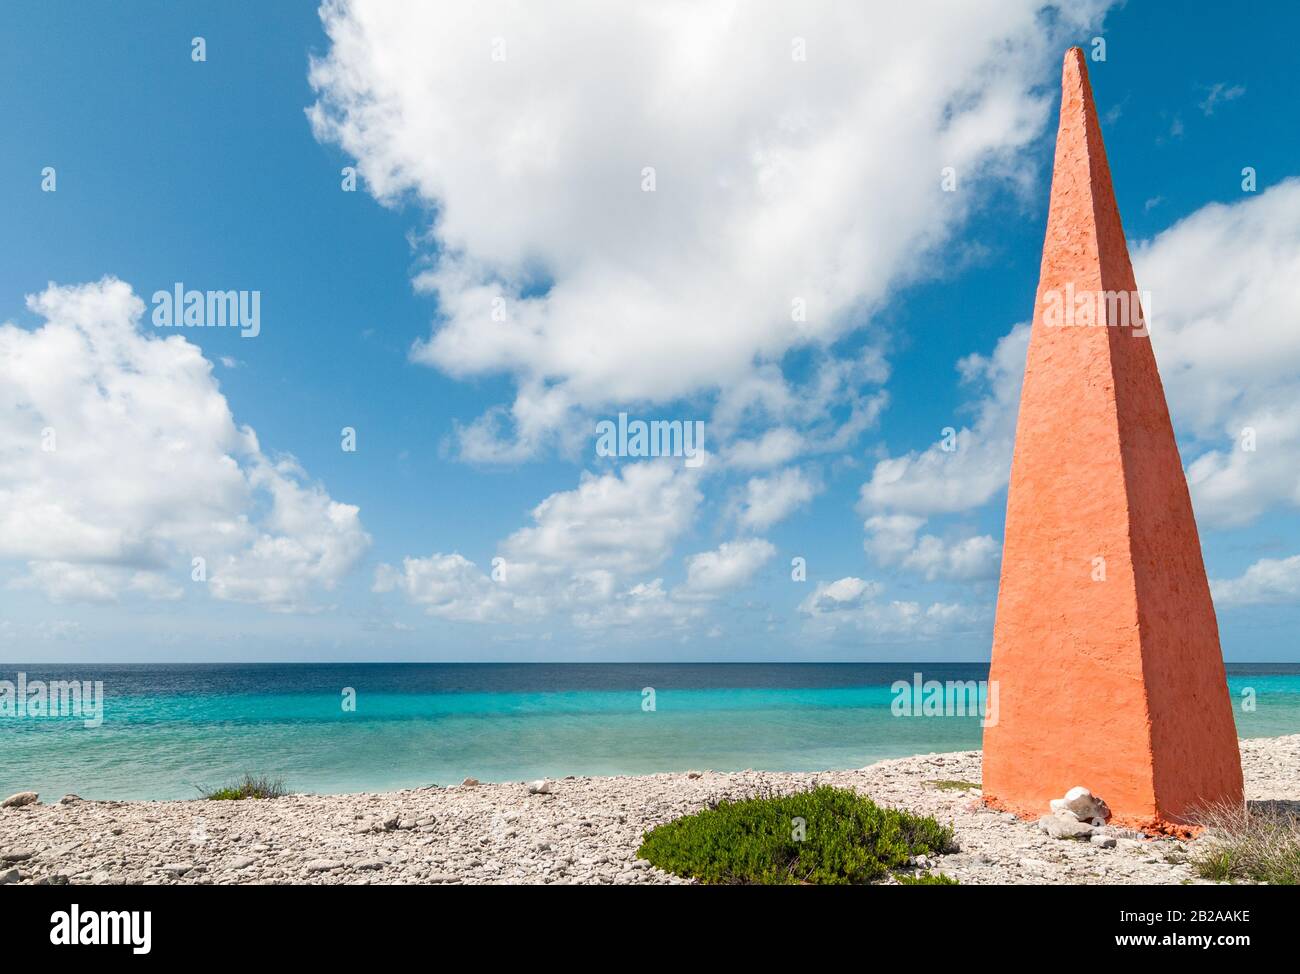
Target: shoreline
169,729
585,830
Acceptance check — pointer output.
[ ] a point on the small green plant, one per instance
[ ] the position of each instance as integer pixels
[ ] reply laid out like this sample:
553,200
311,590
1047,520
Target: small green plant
927,879
823,836
250,787
955,784
1219,865
1257,843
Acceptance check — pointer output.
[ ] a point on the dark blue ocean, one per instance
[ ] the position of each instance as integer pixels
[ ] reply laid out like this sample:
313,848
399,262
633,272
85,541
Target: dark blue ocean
166,730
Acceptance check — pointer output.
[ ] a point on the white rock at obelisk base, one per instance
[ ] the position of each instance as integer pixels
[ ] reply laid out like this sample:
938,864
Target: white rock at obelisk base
1083,805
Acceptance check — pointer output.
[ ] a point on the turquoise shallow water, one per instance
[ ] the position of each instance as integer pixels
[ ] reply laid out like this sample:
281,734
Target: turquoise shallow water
168,729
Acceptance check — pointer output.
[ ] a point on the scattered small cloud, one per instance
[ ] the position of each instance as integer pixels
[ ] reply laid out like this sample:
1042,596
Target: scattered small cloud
1219,93
853,604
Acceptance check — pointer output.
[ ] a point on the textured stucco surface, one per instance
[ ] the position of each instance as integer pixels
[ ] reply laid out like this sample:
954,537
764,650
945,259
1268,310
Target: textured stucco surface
1117,685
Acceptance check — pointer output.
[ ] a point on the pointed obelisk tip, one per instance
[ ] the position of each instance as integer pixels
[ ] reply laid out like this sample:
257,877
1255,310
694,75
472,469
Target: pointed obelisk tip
1076,90
1075,65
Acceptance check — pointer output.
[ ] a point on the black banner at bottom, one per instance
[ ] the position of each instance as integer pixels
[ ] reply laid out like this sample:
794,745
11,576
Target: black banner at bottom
214,925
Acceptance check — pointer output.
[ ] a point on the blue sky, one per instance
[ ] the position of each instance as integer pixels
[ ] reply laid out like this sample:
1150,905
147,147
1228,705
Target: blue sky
474,444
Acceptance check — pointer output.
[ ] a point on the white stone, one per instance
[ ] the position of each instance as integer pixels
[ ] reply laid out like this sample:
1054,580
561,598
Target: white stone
1064,827
1085,807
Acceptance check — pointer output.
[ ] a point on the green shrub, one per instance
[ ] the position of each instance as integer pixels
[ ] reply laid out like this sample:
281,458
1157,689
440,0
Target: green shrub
927,879
846,839
249,787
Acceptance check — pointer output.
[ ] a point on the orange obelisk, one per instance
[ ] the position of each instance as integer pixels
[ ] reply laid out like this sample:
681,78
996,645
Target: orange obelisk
1105,648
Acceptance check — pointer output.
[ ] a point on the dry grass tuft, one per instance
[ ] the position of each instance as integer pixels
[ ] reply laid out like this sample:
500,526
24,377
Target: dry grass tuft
1254,842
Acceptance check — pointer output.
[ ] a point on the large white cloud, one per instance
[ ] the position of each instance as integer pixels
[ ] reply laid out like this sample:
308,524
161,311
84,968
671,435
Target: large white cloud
791,193
120,462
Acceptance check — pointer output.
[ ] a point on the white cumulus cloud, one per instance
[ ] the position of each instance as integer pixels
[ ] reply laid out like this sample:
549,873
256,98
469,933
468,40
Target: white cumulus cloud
531,133
731,565
449,587
120,462
580,556
892,540
764,501
1269,581
1225,307
1223,310
622,522
968,466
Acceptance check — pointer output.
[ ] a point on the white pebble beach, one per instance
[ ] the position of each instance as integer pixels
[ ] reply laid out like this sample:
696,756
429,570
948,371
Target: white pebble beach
585,830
